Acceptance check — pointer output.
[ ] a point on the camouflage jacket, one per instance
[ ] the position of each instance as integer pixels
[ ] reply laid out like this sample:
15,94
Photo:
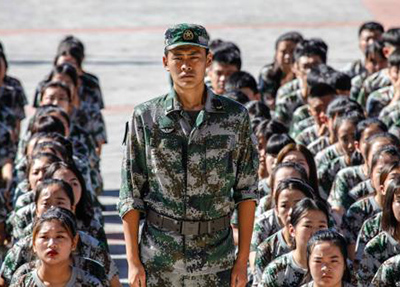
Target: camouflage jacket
344,181
286,106
372,83
284,272
319,145
388,274
186,173
273,247
378,250
327,155
378,100
308,135
298,126
19,97
370,229
79,278
356,85
356,215
390,115
362,189
88,247
354,68
267,85
265,225
6,145
288,88
327,173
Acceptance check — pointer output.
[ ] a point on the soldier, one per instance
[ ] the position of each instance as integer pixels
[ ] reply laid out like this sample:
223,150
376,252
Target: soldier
190,157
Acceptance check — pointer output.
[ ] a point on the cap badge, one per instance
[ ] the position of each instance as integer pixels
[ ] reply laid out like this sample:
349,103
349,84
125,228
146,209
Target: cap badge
188,35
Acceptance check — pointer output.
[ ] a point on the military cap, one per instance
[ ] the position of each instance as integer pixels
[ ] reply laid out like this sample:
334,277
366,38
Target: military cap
186,34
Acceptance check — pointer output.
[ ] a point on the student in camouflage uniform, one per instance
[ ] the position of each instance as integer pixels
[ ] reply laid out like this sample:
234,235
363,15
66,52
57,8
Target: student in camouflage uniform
368,32
291,268
327,260
190,157
279,72
56,230
388,274
289,192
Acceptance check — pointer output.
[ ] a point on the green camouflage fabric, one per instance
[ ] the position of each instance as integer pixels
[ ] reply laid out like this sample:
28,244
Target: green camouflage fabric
288,88
354,68
345,180
285,107
388,274
25,199
264,226
298,126
21,189
362,189
356,215
378,100
308,135
372,83
263,205
327,155
327,173
79,278
6,145
356,85
3,209
370,229
19,97
378,250
319,145
273,247
390,115
88,247
311,284
219,170
283,272
263,187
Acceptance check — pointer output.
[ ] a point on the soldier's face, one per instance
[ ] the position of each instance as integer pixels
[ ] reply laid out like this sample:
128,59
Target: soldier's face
36,171
366,134
187,66
304,65
58,97
326,264
53,244
317,108
52,196
286,200
219,74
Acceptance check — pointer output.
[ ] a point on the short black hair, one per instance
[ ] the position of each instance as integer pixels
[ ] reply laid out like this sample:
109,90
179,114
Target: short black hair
48,124
383,135
376,47
342,105
56,84
310,48
258,109
237,96
277,142
228,56
392,151
65,69
363,125
392,37
319,80
371,26
353,117
292,36
340,81
60,183
241,79
269,127
394,59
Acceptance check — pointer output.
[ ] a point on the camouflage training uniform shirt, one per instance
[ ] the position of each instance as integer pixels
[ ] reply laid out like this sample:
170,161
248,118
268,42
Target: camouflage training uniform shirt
371,228
388,274
374,82
298,126
378,250
362,189
273,247
378,100
354,68
186,173
288,88
19,99
283,272
286,106
264,226
327,155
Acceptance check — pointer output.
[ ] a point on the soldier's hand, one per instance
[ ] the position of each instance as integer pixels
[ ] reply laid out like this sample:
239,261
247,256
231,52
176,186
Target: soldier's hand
239,274
137,275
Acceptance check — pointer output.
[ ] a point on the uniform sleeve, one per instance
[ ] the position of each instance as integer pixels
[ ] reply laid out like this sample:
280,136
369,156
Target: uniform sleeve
246,184
368,265
386,275
134,172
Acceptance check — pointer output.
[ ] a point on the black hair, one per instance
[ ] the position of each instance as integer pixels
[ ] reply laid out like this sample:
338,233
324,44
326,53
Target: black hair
386,170
389,221
342,105
84,208
258,110
48,124
363,125
394,58
218,45
3,56
393,140
376,47
340,81
304,205
293,165
237,96
269,127
389,150
292,36
60,139
311,48
65,69
54,147
228,56
50,157
294,183
73,40
277,142
371,26
56,84
353,117
241,79
59,183
334,237
64,216
392,37
73,48
49,109
319,74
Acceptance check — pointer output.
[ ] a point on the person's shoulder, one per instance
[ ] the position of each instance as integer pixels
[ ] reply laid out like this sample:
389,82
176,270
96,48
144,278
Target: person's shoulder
85,279
88,240
150,105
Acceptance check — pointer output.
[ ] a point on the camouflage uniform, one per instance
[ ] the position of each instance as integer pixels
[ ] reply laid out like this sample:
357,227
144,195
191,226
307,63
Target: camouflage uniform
263,205
356,85
354,68
273,247
309,135
298,126
6,146
19,97
345,180
378,100
327,173
356,216
219,170
390,115
371,228
319,145
284,272
378,250
288,88
327,155
265,225
388,274
88,247
286,106
372,83
79,278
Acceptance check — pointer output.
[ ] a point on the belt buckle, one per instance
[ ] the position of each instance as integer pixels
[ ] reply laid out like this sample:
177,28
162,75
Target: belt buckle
190,228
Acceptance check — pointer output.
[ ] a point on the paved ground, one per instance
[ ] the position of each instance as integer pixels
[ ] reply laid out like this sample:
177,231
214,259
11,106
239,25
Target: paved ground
124,47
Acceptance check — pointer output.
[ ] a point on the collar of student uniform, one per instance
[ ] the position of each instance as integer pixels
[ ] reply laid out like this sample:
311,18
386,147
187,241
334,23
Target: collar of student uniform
213,103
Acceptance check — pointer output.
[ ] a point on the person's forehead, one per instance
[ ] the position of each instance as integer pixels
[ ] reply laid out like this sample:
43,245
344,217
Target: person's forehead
369,33
187,49
224,67
55,90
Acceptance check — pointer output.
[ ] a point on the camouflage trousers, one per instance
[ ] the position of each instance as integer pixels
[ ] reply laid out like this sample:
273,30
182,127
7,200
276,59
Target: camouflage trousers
166,279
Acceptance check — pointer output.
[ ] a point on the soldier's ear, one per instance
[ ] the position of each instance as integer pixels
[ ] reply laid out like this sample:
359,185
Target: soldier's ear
209,58
75,241
291,231
382,189
165,62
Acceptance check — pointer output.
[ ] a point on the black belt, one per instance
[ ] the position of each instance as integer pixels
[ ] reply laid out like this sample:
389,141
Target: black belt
188,227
